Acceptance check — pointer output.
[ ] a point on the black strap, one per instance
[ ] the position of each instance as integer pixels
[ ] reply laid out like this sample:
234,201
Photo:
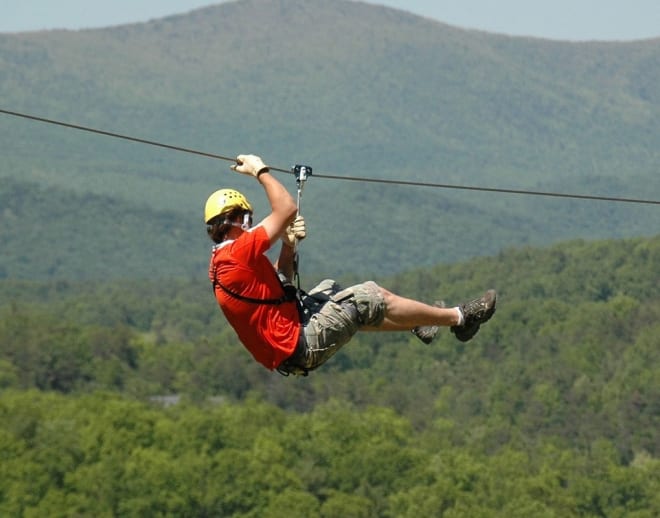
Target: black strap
289,295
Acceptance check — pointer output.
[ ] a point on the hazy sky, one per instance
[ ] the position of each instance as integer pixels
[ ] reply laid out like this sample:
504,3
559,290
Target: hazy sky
555,19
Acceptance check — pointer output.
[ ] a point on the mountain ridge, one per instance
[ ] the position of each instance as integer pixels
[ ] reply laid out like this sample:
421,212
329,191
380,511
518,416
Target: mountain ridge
351,89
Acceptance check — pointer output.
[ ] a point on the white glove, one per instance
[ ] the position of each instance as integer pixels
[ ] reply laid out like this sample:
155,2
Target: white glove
295,231
250,165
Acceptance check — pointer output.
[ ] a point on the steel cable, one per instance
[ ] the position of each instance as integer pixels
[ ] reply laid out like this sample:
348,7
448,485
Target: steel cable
335,177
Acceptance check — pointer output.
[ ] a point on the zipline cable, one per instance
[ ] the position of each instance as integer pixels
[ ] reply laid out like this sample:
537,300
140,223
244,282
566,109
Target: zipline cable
335,177
491,189
115,135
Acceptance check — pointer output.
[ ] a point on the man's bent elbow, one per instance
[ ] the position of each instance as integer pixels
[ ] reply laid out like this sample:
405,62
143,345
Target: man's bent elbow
291,210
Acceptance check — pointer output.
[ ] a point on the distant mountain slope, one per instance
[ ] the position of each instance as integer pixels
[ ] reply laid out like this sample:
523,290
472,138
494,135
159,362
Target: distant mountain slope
48,232
351,89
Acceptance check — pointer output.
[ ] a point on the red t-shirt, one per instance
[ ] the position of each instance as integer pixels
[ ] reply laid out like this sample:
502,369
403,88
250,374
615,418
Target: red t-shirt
268,331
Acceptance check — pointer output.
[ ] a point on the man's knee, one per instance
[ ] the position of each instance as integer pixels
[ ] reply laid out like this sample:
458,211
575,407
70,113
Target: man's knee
369,300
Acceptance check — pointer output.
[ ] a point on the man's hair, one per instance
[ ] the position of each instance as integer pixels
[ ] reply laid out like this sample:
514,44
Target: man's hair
218,227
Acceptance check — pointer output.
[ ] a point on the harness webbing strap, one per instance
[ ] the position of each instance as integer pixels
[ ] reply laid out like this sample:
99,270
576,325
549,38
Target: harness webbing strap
289,295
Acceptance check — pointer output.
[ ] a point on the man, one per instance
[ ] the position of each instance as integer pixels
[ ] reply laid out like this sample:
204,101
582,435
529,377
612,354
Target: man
296,336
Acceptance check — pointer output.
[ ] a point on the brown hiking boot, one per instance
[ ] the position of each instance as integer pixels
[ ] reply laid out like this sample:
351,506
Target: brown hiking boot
475,313
427,333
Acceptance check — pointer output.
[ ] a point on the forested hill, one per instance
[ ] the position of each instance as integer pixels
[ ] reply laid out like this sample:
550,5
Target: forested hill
576,313
352,89
551,410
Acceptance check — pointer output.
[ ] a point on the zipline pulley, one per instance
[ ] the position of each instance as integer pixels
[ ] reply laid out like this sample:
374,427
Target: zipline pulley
301,173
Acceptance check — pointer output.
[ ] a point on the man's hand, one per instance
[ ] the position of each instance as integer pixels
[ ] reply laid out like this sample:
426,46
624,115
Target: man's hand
250,165
296,231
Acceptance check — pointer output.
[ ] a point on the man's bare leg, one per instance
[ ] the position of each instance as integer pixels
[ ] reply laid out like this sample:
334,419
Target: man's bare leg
402,314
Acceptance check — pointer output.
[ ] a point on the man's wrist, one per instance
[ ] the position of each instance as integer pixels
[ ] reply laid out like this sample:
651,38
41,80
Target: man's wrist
262,171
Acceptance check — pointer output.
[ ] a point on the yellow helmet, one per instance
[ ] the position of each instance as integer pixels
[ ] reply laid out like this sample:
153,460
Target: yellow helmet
223,201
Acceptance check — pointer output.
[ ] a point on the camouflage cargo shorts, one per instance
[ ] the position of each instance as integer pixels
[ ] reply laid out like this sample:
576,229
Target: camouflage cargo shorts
336,314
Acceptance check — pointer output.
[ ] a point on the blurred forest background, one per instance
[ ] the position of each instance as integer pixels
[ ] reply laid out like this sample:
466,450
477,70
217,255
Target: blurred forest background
136,399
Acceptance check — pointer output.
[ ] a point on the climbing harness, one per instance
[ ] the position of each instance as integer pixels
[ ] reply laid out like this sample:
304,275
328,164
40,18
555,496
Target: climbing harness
301,172
291,365
290,294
